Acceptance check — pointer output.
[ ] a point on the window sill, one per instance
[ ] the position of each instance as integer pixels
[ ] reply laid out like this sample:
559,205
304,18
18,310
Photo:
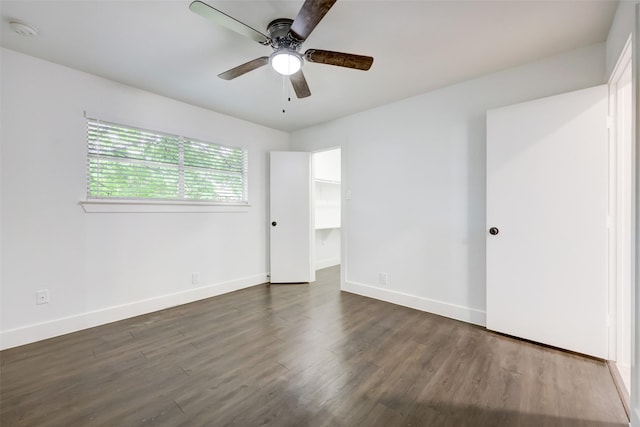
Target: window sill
137,206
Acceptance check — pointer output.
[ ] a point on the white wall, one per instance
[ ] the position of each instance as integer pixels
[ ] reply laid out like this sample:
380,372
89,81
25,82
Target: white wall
326,165
107,266
416,173
327,248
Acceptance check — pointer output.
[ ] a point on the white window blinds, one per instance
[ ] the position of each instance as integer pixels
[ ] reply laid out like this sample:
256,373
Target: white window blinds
129,163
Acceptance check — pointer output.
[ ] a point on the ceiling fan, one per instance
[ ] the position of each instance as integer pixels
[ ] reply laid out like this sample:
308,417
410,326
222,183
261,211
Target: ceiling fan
285,36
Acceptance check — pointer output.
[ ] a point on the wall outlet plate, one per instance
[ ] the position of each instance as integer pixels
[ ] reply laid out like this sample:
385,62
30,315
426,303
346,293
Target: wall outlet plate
383,279
42,296
195,278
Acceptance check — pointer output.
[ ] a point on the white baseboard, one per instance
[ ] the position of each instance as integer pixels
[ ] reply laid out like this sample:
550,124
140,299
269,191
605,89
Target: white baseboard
457,312
40,331
329,262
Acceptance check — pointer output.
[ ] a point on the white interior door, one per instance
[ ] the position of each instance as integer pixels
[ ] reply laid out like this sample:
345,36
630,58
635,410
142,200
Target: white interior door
547,197
291,218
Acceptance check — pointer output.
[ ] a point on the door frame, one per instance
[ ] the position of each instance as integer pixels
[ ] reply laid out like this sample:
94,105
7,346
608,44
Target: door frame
635,289
620,196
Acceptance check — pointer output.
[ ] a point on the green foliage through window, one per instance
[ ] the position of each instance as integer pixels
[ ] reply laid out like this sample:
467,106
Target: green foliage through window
129,163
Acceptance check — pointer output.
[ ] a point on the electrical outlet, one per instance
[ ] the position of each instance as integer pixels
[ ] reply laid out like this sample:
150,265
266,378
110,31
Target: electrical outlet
195,278
42,296
383,279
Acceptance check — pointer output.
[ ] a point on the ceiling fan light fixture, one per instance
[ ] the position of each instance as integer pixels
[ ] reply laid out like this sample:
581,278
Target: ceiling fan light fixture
286,62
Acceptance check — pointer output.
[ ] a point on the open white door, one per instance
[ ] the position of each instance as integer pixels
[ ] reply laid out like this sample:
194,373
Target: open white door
291,218
547,202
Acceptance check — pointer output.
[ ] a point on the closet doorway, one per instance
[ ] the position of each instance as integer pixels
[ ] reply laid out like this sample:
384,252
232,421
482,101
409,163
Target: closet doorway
327,196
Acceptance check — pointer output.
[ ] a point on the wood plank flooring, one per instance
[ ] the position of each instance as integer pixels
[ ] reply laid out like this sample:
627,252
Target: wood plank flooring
300,355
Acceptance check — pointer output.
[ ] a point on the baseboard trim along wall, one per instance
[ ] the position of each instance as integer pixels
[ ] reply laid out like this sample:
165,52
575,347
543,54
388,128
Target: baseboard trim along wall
452,311
40,331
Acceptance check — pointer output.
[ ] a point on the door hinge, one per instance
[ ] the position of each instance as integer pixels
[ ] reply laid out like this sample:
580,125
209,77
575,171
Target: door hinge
609,122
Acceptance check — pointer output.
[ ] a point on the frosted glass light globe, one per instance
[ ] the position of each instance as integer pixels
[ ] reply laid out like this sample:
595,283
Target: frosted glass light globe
286,62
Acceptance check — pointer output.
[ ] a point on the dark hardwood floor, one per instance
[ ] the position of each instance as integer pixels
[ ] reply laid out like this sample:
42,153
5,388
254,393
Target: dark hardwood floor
300,355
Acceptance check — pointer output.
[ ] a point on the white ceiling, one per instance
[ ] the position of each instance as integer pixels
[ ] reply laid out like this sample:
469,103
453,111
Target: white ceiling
162,47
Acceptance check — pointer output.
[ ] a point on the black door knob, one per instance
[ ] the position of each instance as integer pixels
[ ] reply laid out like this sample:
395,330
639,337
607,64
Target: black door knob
274,223
493,231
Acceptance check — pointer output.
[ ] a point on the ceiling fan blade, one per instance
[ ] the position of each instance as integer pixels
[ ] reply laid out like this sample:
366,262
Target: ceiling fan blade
244,68
348,60
299,84
227,21
310,14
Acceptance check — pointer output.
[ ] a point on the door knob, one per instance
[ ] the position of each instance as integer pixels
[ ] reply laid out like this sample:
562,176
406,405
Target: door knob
493,231
274,223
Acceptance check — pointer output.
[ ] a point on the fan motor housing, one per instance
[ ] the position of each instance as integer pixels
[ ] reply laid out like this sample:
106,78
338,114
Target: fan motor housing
278,31
279,28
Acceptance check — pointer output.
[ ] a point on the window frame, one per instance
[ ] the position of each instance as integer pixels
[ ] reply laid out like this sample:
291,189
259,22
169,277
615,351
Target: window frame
96,203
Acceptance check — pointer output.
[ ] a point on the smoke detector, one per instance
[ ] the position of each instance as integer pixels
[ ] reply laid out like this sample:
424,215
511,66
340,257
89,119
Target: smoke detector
23,29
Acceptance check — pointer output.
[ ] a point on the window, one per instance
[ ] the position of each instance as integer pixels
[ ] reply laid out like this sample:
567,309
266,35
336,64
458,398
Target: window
129,163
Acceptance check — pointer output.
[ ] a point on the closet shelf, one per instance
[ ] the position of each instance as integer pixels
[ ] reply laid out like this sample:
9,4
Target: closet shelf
326,181
327,227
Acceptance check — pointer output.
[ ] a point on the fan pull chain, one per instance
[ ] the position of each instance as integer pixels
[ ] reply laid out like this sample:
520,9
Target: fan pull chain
284,83
286,94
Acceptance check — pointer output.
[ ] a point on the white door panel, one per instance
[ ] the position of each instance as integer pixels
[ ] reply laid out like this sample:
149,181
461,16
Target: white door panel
547,195
291,212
